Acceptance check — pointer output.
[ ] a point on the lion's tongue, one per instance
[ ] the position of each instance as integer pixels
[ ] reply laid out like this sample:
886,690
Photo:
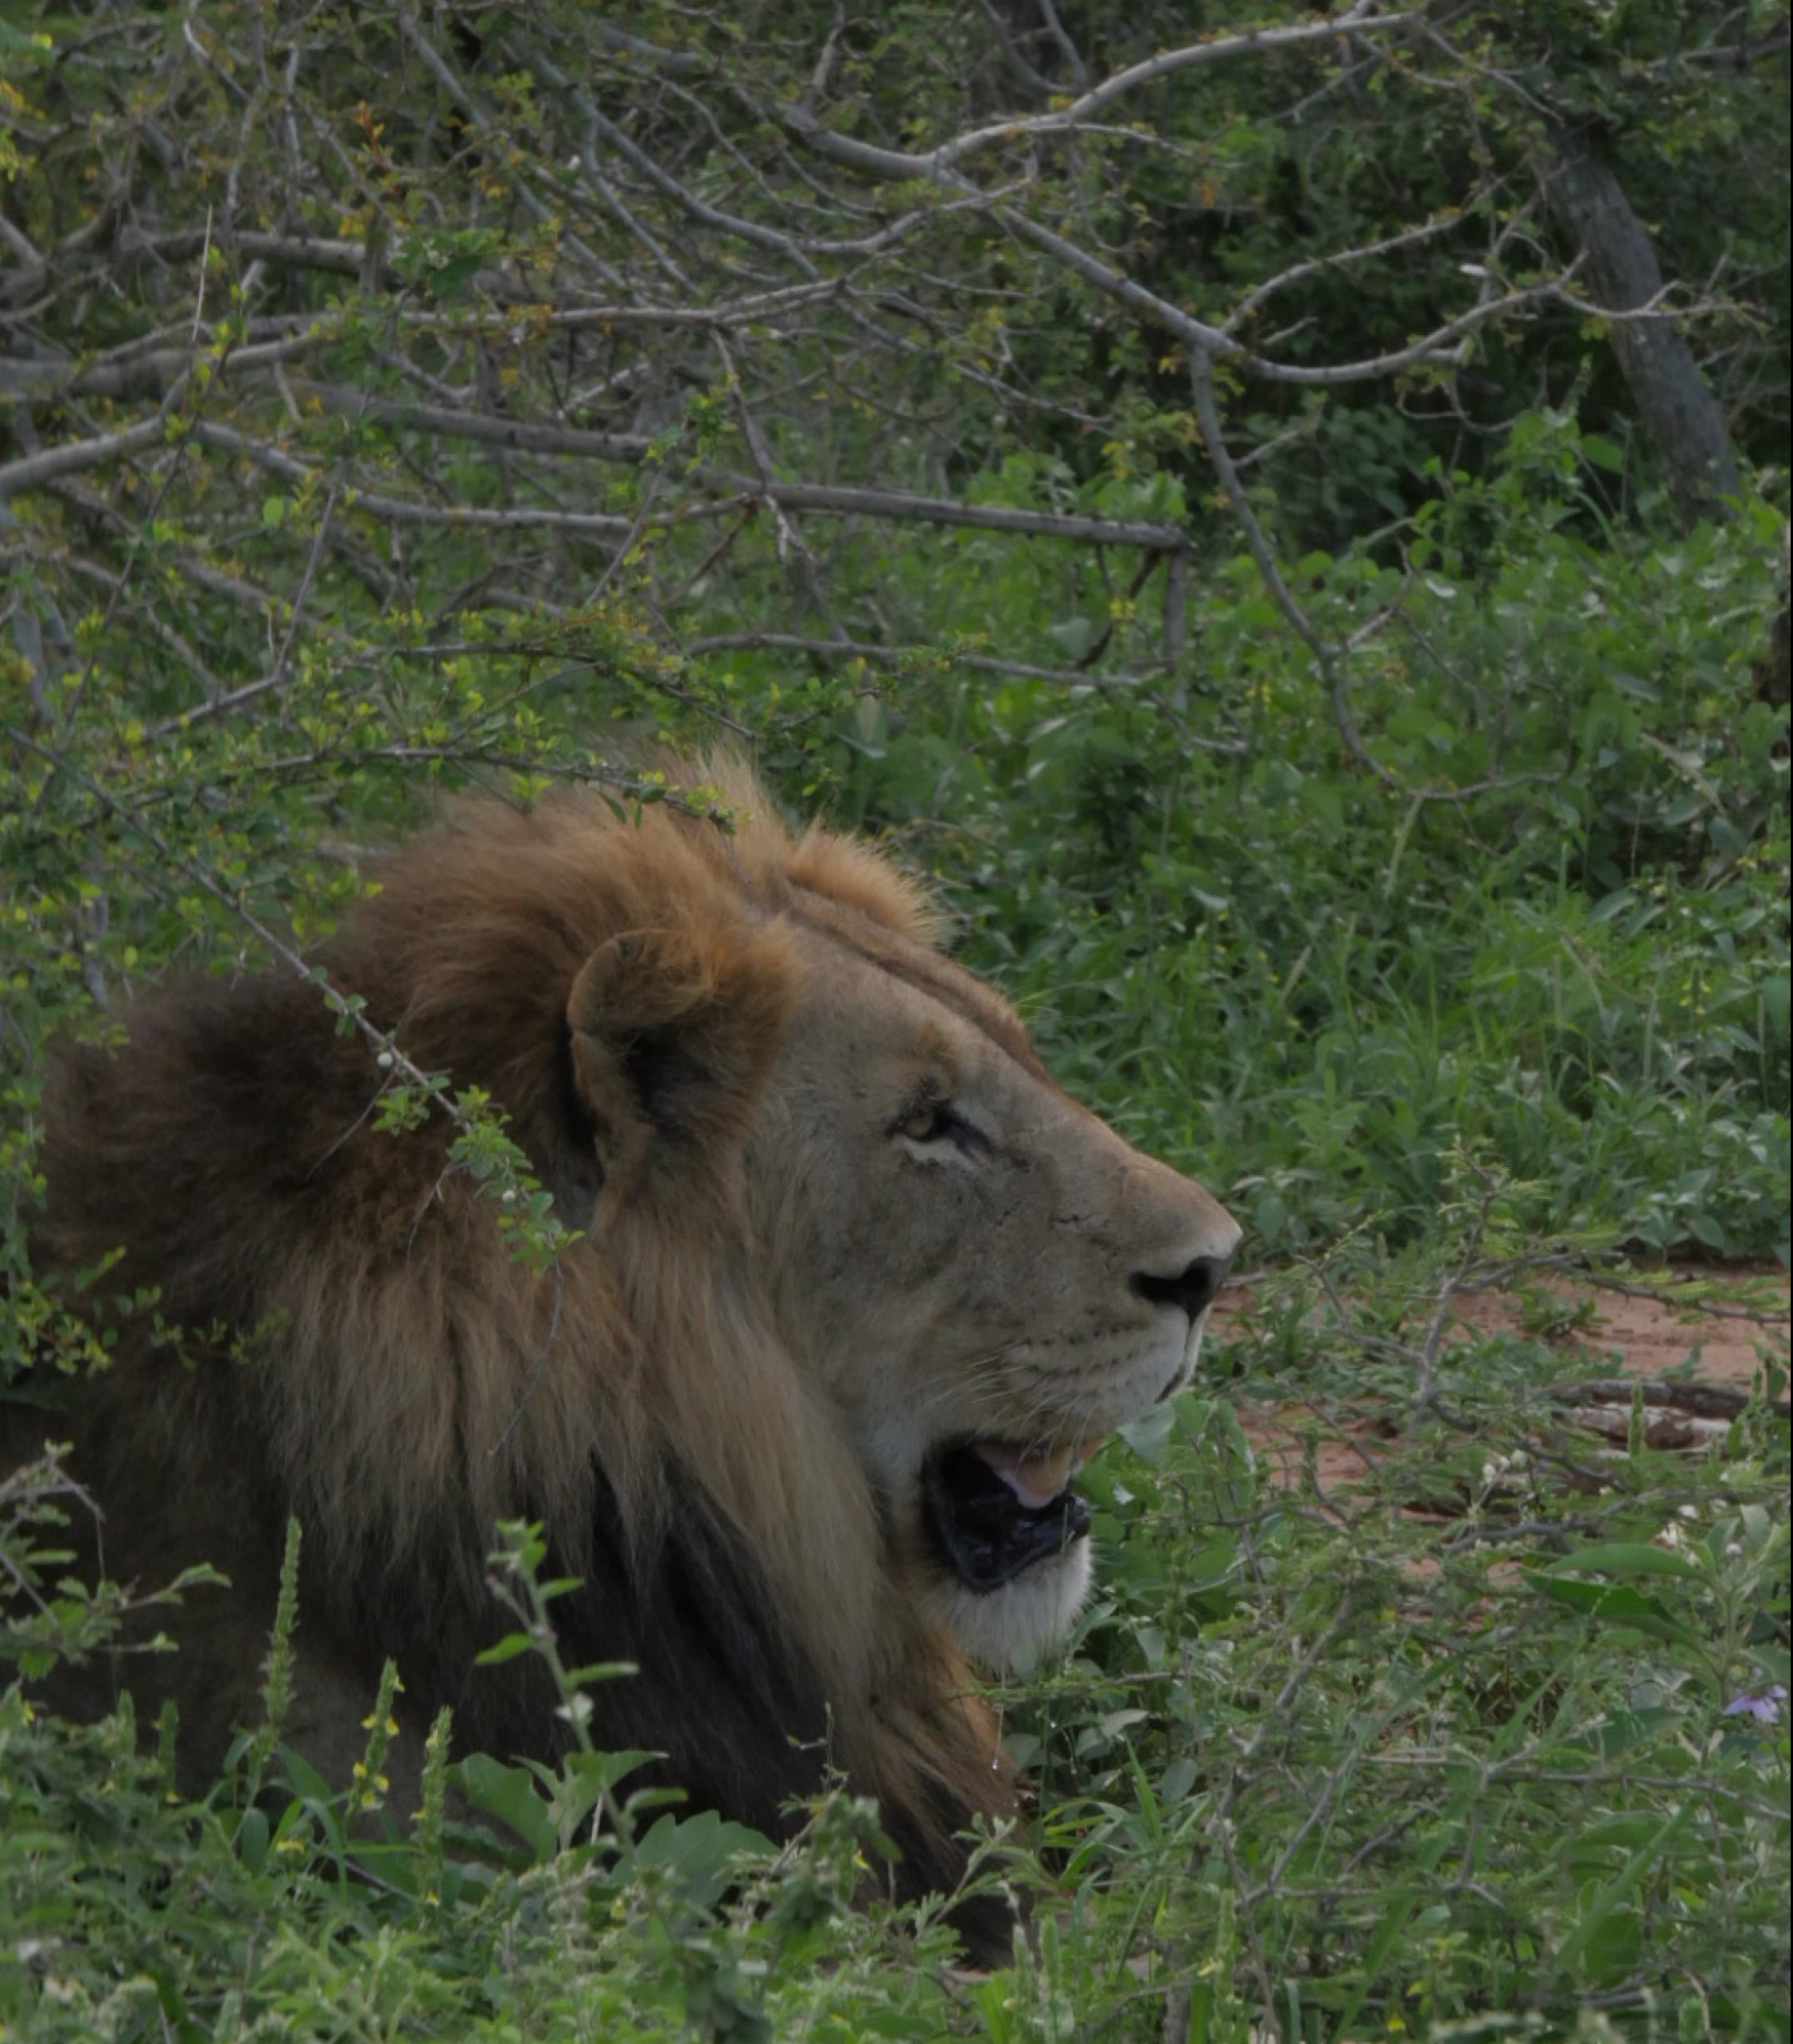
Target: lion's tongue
1036,1476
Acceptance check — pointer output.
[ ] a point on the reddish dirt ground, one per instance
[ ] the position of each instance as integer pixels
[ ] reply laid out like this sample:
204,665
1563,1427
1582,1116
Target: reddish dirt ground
1645,1336
1641,1334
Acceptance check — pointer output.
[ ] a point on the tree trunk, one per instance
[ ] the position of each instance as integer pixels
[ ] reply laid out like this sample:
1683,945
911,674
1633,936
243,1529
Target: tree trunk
1675,404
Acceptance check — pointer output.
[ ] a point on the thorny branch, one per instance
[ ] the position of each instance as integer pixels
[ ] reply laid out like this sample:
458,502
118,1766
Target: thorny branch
553,264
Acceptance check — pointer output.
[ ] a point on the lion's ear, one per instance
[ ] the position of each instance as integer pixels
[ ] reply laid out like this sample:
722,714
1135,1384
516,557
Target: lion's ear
673,1030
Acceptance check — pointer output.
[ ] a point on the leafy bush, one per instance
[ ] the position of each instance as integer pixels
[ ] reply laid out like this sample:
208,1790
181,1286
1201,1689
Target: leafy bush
1556,936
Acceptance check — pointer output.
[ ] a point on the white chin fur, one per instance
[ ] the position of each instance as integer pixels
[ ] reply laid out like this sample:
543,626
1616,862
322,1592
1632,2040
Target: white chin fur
998,1628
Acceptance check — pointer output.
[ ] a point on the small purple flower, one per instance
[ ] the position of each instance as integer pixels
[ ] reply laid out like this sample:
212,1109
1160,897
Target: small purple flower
1763,1705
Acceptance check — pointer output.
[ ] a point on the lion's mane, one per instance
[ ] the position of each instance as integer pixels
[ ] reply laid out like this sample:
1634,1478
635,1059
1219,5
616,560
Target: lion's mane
407,1382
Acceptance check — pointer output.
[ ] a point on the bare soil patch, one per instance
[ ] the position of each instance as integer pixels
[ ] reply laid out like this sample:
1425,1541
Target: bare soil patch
1717,1321
1647,1330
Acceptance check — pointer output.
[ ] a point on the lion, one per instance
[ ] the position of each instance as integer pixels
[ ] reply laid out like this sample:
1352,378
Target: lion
857,1289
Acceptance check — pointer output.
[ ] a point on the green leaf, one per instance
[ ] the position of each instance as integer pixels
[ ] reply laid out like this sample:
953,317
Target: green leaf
1652,1850
449,279
1631,1829
508,1648
1638,1558
510,1794
253,1838
704,1843
1615,1604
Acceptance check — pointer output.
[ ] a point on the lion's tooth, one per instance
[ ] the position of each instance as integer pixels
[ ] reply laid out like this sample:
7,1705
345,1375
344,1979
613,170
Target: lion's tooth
1047,1473
1038,1476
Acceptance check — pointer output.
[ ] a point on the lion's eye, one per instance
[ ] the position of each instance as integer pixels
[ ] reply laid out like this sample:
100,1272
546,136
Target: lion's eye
930,1121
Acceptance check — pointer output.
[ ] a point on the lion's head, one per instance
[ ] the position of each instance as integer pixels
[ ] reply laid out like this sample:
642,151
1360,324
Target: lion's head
858,1289
988,1280
977,1275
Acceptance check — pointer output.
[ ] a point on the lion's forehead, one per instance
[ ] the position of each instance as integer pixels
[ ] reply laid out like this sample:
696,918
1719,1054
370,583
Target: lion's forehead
841,940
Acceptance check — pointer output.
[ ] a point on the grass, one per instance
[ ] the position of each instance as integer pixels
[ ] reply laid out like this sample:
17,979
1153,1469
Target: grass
1466,1749
1466,1764
1625,1073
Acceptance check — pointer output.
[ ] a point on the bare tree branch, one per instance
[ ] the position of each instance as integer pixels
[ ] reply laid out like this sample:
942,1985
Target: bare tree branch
72,457
1359,19
914,656
845,502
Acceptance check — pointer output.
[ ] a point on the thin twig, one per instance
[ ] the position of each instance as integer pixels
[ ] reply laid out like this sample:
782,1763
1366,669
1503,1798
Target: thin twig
1326,658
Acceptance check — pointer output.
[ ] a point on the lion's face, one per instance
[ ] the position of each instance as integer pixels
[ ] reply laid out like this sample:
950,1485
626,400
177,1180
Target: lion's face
990,1279
981,1279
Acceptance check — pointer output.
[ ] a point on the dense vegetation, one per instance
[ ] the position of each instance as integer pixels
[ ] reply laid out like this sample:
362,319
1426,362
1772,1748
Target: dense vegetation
1226,506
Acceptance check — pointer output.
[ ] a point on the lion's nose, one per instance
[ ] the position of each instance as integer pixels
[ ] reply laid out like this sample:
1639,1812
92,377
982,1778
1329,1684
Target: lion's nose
1192,1288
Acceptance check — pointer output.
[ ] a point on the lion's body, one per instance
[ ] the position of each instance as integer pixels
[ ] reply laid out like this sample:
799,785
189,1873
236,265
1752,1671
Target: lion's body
705,1401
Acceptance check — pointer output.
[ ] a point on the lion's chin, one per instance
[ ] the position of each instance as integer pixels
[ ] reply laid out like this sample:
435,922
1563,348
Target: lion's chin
1005,1629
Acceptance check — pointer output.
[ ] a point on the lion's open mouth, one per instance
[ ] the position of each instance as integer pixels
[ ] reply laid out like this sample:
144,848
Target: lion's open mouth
996,1508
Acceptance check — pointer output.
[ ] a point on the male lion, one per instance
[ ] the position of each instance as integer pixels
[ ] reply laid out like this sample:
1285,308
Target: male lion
859,1290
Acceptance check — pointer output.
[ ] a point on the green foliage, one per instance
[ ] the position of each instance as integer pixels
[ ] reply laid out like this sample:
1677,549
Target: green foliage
1325,1752
304,1910
1391,1781
1555,936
